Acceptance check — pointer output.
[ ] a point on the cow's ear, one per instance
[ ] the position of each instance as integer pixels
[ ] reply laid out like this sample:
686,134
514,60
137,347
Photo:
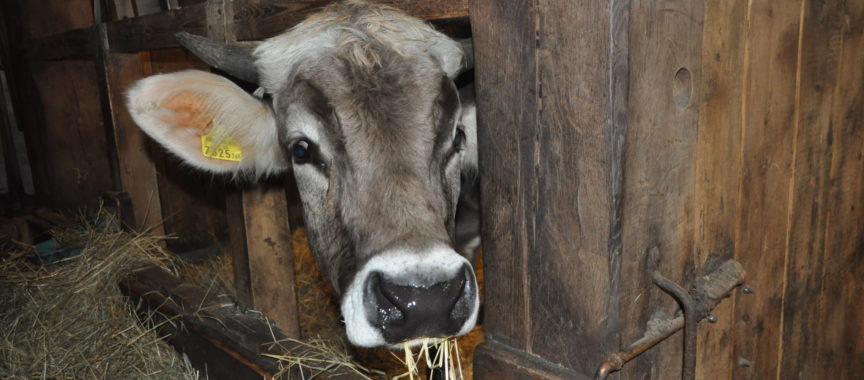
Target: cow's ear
209,122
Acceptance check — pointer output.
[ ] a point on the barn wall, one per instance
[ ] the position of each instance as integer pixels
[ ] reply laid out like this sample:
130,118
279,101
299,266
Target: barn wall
742,138
57,106
81,140
756,154
761,162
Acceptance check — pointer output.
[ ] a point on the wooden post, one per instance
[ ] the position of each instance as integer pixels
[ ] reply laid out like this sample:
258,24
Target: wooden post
551,134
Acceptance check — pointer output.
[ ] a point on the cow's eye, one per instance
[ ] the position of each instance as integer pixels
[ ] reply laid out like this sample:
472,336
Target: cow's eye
458,139
300,150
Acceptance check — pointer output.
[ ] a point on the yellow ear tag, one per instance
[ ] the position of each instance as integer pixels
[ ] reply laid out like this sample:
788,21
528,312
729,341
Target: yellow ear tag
227,149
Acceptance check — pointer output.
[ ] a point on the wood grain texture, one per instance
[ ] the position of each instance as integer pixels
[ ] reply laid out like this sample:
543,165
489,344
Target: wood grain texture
821,324
71,142
718,166
663,112
257,19
260,247
841,348
227,342
496,361
46,17
133,149
268,243
767,134
506,88
572,160
543,83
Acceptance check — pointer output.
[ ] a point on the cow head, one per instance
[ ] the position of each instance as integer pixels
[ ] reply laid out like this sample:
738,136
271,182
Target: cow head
360,101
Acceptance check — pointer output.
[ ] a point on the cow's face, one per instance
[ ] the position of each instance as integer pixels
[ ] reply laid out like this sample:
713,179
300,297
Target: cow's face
370,123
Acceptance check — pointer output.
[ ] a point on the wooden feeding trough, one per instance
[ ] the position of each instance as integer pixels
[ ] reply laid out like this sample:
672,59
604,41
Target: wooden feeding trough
608,130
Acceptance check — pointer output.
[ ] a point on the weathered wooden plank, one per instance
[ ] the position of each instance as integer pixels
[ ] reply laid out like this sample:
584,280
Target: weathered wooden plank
807,257
47,17
71,142
132,148
571,163
665,72
261,249
840,345
77,43
767,134
718,166
255,19
215,335
156,31
506,88
497,361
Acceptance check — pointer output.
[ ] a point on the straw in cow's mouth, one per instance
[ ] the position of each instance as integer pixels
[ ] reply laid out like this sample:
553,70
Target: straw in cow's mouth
445,350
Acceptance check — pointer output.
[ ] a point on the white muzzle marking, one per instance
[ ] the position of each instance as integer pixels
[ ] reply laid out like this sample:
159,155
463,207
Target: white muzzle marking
414,268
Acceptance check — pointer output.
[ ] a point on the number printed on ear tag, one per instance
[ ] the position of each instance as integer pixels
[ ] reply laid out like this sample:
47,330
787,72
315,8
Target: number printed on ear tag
227,149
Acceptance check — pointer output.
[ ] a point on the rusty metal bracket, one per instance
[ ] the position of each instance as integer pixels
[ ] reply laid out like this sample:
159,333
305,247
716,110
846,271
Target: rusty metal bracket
710,288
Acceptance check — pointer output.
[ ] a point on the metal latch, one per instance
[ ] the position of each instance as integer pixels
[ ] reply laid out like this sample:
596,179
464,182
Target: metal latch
716,283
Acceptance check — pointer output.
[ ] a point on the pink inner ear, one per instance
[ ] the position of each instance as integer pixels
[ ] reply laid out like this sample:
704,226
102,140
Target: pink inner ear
187,111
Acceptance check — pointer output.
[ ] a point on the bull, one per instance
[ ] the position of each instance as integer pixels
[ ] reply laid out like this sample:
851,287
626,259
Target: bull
360,101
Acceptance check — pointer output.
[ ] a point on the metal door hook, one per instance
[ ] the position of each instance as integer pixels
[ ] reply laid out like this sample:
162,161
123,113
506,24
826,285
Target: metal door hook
709,290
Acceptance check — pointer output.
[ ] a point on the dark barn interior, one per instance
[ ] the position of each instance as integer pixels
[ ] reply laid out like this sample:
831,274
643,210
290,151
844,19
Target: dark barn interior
669,189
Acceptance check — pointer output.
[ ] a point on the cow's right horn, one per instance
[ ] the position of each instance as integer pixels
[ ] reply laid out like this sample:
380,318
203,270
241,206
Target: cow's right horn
236,60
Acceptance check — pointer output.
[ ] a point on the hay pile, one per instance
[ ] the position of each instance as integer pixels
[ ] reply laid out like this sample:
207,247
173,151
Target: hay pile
71,321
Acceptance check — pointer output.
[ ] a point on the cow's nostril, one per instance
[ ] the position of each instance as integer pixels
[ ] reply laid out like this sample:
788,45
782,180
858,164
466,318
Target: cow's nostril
385,306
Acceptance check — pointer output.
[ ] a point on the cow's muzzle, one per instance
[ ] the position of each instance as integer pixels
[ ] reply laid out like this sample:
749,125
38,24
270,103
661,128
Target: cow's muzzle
407,311
404,296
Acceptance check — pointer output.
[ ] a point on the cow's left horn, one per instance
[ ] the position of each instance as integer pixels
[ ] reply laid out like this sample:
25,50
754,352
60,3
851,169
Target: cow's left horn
236,60
468,51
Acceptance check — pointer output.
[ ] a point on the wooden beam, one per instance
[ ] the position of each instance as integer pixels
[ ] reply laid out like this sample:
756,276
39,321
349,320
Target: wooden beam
493,360
255,19
551,160
156,31
77,43
216,335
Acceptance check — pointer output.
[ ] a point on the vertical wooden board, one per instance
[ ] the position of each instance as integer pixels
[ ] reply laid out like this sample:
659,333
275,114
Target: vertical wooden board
839,351
193,202
568,258
768,107
806,256
718,165
133,148
237,246
47,17
268,242
506,88
665,72
72,145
